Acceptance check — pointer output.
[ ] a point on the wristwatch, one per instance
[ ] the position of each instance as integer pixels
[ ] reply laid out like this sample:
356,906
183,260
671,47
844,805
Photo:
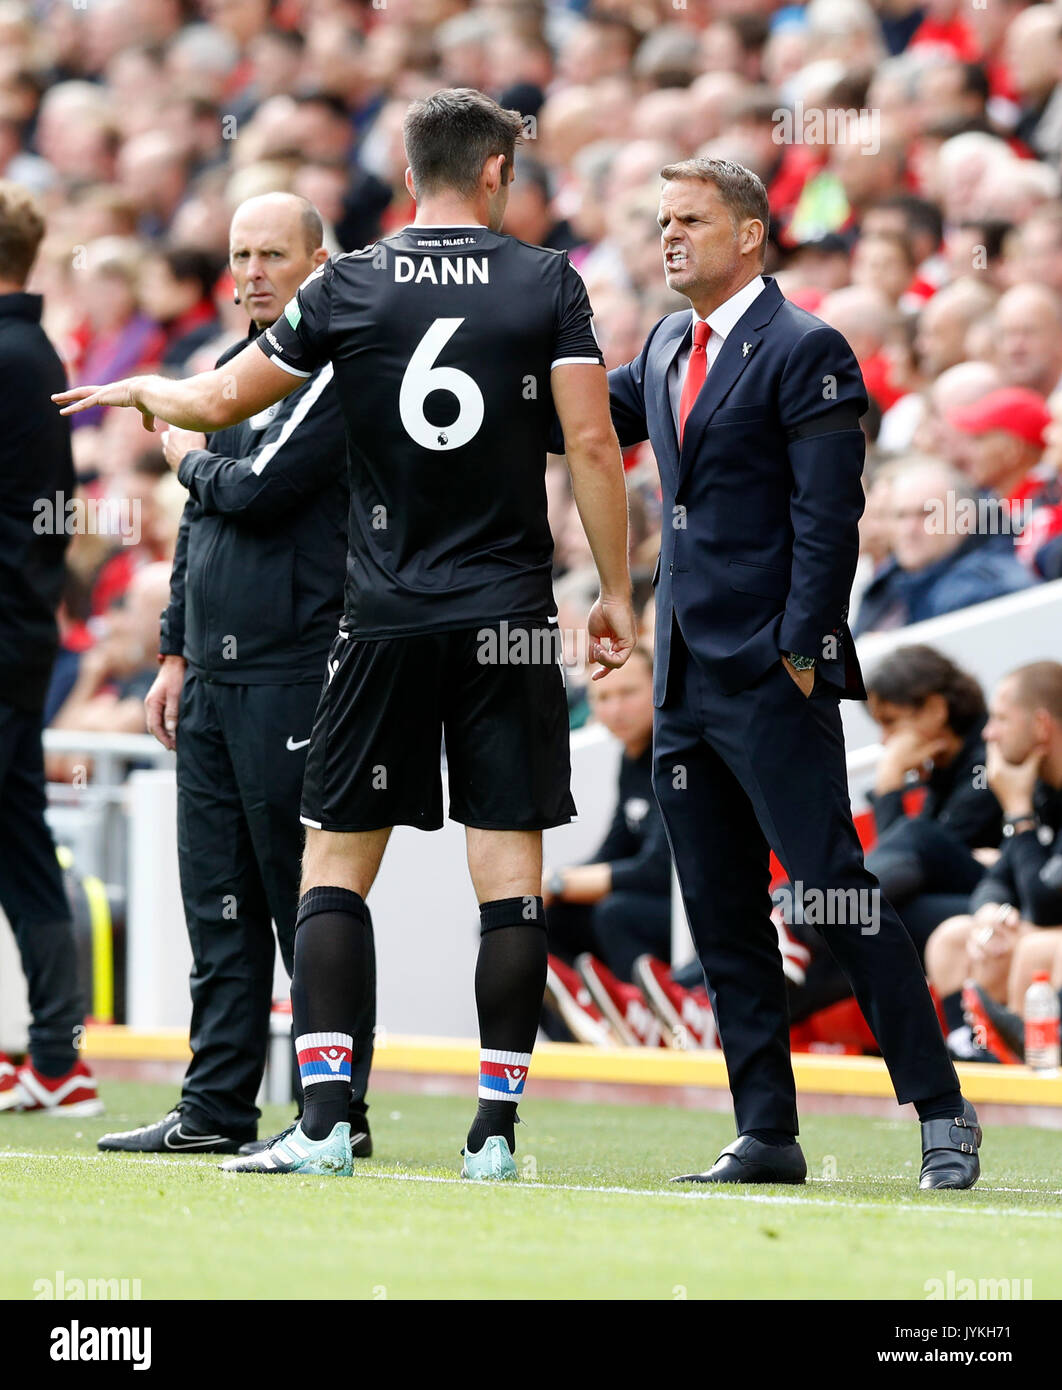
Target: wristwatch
555,883
801,663
1017,825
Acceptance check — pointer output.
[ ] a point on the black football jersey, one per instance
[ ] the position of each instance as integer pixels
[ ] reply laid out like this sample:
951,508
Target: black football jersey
443,339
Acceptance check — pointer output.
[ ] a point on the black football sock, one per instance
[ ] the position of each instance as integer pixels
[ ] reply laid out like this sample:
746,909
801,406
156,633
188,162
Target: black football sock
943,1107
363,1045
510,981
333,958
951,1008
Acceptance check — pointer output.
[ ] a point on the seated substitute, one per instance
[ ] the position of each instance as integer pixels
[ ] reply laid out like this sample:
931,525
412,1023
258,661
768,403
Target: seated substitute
1023,890
932,716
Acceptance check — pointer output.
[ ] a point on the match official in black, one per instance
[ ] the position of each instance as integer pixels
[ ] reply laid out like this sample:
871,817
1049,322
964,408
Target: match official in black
255,602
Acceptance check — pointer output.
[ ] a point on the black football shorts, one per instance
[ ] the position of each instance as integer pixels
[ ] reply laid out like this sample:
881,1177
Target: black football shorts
494,695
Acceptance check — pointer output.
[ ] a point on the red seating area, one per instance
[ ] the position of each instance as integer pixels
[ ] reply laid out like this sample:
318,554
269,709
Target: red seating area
842,1028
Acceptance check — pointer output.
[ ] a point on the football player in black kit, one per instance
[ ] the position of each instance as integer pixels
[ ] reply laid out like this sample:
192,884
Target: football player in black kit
452,347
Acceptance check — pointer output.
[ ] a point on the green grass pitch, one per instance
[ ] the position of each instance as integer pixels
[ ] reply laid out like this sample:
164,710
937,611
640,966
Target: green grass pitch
593,1217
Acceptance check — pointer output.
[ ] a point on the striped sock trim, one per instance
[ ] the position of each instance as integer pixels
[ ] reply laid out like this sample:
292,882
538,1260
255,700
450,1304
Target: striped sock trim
502,1074
324,1057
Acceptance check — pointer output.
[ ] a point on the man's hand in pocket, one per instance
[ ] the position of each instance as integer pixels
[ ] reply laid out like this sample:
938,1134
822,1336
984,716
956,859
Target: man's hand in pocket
804,679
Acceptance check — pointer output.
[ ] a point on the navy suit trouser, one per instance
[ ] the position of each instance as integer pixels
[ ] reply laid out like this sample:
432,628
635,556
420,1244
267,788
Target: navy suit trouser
737,775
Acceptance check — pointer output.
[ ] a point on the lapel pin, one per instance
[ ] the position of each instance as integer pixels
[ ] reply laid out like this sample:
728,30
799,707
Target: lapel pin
746,348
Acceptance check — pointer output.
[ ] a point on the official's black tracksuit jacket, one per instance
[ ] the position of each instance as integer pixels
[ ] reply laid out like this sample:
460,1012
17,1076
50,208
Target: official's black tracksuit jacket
255,600
36,481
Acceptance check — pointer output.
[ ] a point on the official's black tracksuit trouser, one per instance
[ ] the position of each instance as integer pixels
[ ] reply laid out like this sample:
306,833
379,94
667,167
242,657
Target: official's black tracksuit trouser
737,775
33,897
241,750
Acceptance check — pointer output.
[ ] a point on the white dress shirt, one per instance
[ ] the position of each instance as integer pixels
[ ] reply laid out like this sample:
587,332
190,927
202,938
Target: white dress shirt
721,321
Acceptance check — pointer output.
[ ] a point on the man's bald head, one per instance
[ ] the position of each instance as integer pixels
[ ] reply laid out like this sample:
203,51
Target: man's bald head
274,243
284,207
862,315
1028,322
960,385
963,384
945,322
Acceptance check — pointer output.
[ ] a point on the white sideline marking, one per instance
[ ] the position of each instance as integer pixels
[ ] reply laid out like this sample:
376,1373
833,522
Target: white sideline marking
718,1195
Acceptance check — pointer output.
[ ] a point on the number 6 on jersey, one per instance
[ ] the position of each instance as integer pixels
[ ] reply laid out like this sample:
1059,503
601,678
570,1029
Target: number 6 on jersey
421,378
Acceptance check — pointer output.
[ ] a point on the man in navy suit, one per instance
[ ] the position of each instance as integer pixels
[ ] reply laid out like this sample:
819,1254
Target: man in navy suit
752,408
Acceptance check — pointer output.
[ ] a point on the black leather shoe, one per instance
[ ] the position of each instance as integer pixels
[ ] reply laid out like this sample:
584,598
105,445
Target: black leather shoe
750,1160
949,1151
171,1134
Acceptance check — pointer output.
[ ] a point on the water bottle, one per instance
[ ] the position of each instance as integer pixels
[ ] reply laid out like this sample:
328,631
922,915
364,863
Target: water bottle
1041,1024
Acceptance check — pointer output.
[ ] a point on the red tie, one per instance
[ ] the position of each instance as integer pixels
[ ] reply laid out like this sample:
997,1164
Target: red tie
696,371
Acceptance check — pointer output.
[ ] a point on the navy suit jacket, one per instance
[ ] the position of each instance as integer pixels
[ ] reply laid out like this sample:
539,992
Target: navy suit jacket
761,504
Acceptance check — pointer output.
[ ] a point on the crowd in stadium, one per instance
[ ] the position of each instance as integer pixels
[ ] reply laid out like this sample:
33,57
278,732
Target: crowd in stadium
911,157
920,214
929,230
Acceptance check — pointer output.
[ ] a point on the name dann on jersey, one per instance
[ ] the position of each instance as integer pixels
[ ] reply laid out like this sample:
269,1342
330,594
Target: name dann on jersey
441,270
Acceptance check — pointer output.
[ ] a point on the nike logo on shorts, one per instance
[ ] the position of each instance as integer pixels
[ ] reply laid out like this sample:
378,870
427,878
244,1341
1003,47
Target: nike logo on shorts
292,745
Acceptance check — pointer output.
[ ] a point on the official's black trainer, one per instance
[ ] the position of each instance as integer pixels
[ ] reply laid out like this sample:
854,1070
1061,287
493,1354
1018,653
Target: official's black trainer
360,1138
172,1134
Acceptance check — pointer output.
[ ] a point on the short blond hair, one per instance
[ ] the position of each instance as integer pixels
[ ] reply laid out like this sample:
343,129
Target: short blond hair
21,231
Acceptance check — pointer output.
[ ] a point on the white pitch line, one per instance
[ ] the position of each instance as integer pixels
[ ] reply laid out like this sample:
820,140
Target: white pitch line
188,1162
981,1186
721,1194
717,1194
